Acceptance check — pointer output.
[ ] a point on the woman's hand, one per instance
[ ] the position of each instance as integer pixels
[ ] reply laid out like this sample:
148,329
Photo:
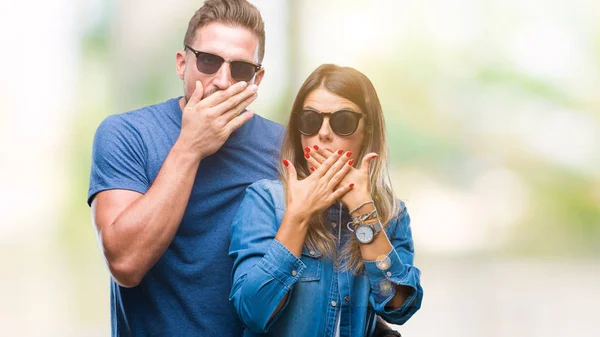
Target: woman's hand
358,176
322,188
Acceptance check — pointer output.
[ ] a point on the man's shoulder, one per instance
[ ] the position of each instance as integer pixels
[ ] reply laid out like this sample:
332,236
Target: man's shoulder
142,114
267,124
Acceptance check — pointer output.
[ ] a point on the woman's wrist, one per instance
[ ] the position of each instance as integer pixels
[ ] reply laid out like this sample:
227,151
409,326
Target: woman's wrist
296,216
359,203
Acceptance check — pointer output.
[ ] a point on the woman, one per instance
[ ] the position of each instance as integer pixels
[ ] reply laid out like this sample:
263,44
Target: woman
326,248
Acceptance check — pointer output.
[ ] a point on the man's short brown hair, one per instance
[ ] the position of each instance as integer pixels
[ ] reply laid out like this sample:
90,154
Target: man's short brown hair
230,12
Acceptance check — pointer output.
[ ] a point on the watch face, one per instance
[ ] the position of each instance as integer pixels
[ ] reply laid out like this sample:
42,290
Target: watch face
364,234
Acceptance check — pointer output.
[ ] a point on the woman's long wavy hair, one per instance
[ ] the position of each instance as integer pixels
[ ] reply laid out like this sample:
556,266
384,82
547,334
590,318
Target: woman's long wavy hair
351,84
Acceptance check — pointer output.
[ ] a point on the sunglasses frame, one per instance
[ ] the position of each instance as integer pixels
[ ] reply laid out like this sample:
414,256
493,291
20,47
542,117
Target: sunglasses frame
257,67
358,115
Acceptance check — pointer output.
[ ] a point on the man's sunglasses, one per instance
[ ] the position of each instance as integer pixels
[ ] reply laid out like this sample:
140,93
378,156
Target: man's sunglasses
209,64
343,122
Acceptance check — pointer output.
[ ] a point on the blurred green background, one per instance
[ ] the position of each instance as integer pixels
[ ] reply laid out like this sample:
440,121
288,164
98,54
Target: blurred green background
493,120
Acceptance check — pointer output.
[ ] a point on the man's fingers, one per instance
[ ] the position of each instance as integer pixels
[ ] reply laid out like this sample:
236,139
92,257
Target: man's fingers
197,94
223,95
238,121
237,109
238,100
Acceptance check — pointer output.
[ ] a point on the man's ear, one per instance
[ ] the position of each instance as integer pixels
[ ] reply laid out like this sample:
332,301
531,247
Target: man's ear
180,63
259,76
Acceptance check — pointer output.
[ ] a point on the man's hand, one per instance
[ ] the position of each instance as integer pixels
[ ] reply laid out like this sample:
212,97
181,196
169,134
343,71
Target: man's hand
207,123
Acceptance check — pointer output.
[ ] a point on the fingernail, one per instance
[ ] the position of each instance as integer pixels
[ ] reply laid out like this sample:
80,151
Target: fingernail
253,87
307,149
348,154
244,84
340,151
286,163
351,185
306,155
312,169
351,162
316,147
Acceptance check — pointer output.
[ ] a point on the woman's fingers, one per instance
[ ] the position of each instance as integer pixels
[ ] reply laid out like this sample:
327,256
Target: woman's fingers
326,165
292,176
339,163
339,193
320,154
339,176
364,165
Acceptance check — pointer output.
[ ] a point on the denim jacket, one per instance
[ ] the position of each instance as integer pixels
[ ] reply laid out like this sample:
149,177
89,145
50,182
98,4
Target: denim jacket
264,271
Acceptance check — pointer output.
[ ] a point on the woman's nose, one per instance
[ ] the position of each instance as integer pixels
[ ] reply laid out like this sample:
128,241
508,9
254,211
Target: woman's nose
325,132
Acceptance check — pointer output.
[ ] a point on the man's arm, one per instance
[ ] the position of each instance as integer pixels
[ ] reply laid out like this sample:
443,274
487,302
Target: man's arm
135,229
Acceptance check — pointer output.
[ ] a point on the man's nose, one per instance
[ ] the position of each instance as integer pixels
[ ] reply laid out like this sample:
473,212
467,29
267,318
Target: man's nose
222,78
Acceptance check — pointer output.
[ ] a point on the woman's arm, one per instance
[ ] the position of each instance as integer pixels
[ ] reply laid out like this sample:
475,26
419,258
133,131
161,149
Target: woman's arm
396,291
264,270
266,256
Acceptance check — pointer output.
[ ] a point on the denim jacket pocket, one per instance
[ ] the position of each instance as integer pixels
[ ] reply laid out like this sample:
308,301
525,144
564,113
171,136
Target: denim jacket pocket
312,261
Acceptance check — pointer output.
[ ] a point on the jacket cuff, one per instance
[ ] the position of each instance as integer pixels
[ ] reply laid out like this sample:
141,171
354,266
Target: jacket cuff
280,263
384,275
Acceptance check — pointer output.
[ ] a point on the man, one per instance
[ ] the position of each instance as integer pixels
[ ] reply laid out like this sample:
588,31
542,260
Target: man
166,180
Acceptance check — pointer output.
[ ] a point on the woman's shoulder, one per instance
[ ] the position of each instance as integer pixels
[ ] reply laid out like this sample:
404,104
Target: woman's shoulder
268,189
267,185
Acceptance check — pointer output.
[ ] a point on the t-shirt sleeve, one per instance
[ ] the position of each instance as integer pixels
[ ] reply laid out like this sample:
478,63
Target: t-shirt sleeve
118,158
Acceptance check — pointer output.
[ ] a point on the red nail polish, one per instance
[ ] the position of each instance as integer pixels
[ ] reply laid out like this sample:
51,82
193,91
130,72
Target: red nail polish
351,162
351,185
307,149
340,151
312,169
306,155
348,154
286,163
316,147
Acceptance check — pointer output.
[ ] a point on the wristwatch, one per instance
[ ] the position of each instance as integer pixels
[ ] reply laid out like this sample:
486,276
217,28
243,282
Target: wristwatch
365,231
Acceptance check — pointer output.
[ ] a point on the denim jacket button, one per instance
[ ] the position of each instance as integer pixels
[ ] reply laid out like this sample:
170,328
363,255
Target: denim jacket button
346,298
333,303
389,274
333,224
312,252
294,273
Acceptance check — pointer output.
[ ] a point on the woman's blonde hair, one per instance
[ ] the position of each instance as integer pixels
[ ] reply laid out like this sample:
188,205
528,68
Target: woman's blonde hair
351,84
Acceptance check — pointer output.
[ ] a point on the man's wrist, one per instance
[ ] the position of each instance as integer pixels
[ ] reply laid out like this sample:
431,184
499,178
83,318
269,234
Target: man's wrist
185,151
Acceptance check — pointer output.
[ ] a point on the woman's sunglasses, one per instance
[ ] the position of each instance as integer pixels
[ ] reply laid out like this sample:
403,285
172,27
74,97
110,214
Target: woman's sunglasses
343,122
209,64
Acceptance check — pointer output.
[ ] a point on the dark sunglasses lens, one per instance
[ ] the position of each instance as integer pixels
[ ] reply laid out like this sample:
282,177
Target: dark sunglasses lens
344,123
309,122
242,71
208,63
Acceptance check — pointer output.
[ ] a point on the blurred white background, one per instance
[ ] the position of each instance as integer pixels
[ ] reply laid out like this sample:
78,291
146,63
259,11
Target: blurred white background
493,119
